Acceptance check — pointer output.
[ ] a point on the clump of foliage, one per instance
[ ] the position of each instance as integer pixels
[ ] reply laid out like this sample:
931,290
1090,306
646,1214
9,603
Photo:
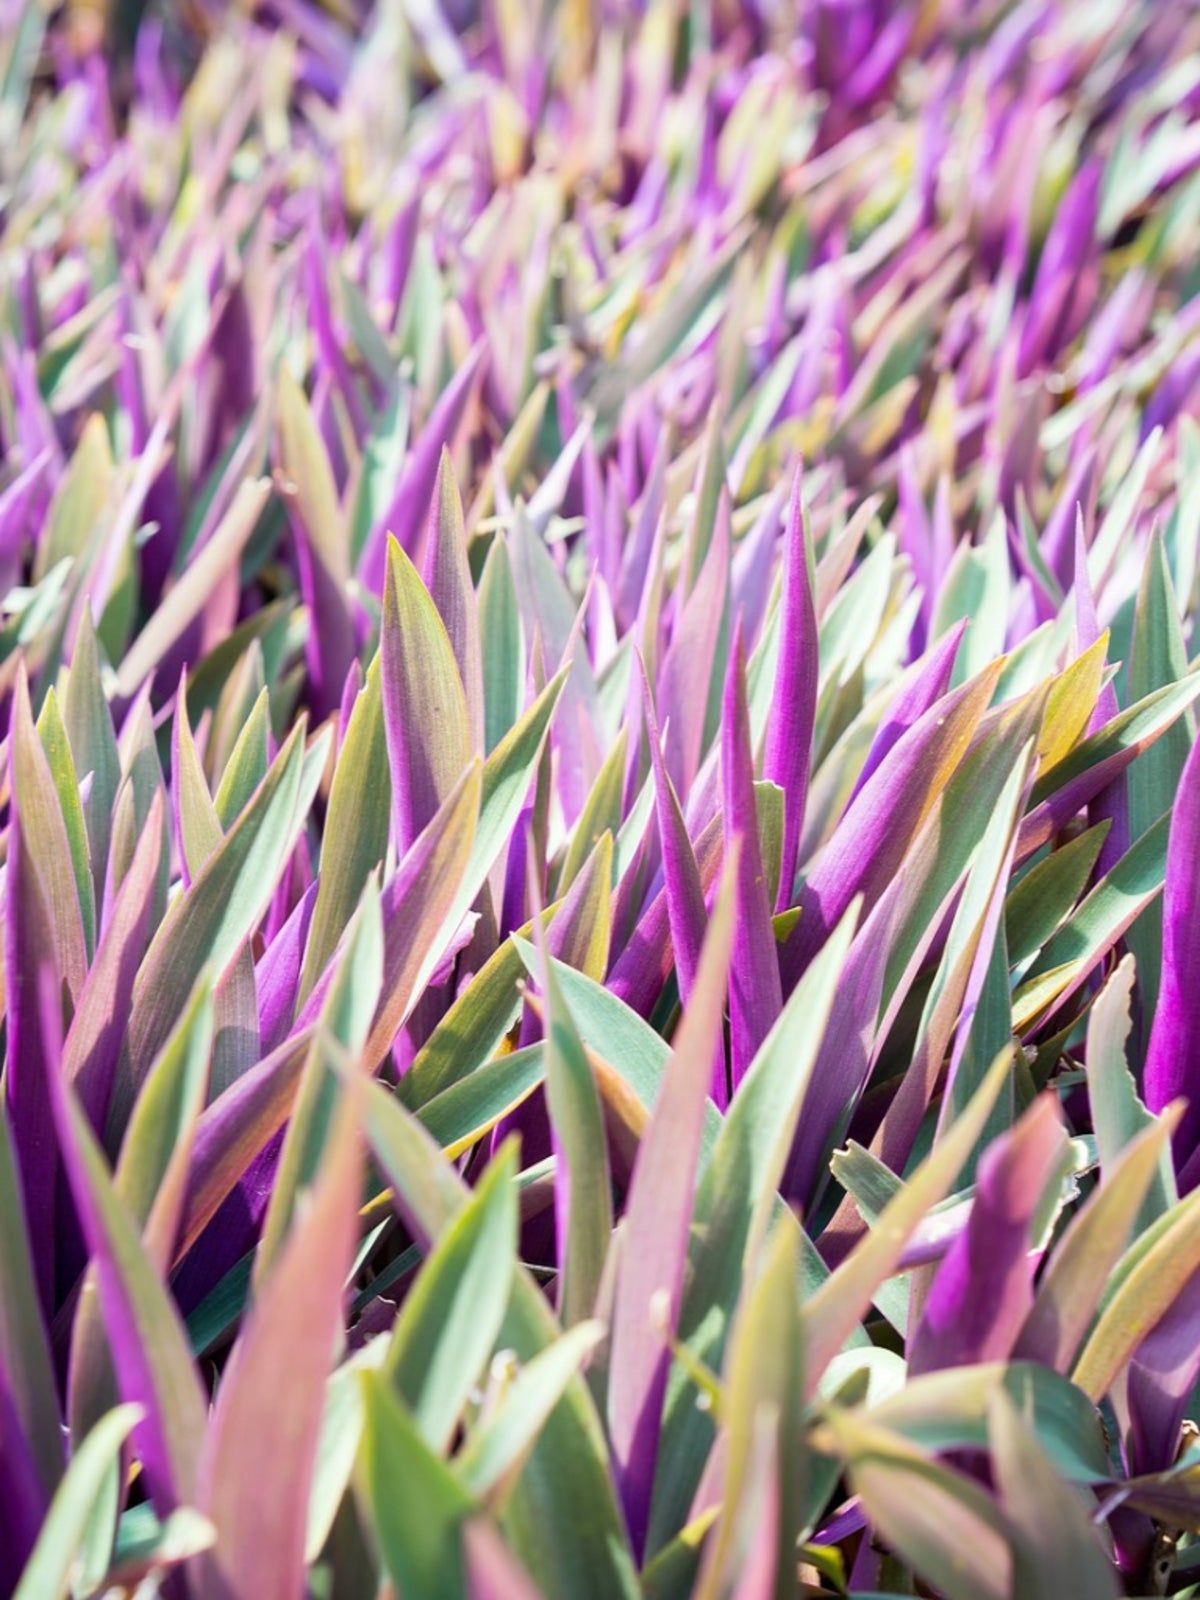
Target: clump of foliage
599,819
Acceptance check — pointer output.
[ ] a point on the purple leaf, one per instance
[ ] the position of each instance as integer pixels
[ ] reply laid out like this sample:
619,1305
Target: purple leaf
1173,1056
983,1289
788,752
755,996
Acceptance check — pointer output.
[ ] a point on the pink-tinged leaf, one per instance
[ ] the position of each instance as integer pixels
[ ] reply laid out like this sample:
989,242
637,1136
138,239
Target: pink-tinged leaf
788,753
493,1572
235,1129
1173,1057
405,518
755,995
870,842
33,981
195,587
146,1337
267,1419
983,1289
448,579
97,1033
759,1458
658,1212
345,1017
424,706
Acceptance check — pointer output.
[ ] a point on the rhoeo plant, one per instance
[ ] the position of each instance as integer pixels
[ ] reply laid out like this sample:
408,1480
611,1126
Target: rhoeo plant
599,820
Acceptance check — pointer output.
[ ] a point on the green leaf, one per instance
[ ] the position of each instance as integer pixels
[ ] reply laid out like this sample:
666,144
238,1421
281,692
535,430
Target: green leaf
949,1410
1044,896
337,1445
1135,729
357,821
764,1381
417,1504
474,1028
207,925
448,1324
345,1020
649,1279
737,1196
82,496
459,1116
93,743
1118,1114
940,1523
602,813
1158,658
583,1183
1162,1263
147,1337
50,1570
1096,925
24,1348
151,1179
561,1518
1056,1547
507,773
425,711
155,1157
45,836
54,739
499,1444
423,906
247,764
305,464
502,645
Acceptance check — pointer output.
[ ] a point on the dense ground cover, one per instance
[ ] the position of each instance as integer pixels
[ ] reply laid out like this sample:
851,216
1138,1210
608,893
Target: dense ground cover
601,848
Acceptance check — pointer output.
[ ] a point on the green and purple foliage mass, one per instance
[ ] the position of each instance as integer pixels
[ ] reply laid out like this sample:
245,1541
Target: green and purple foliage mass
599,816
